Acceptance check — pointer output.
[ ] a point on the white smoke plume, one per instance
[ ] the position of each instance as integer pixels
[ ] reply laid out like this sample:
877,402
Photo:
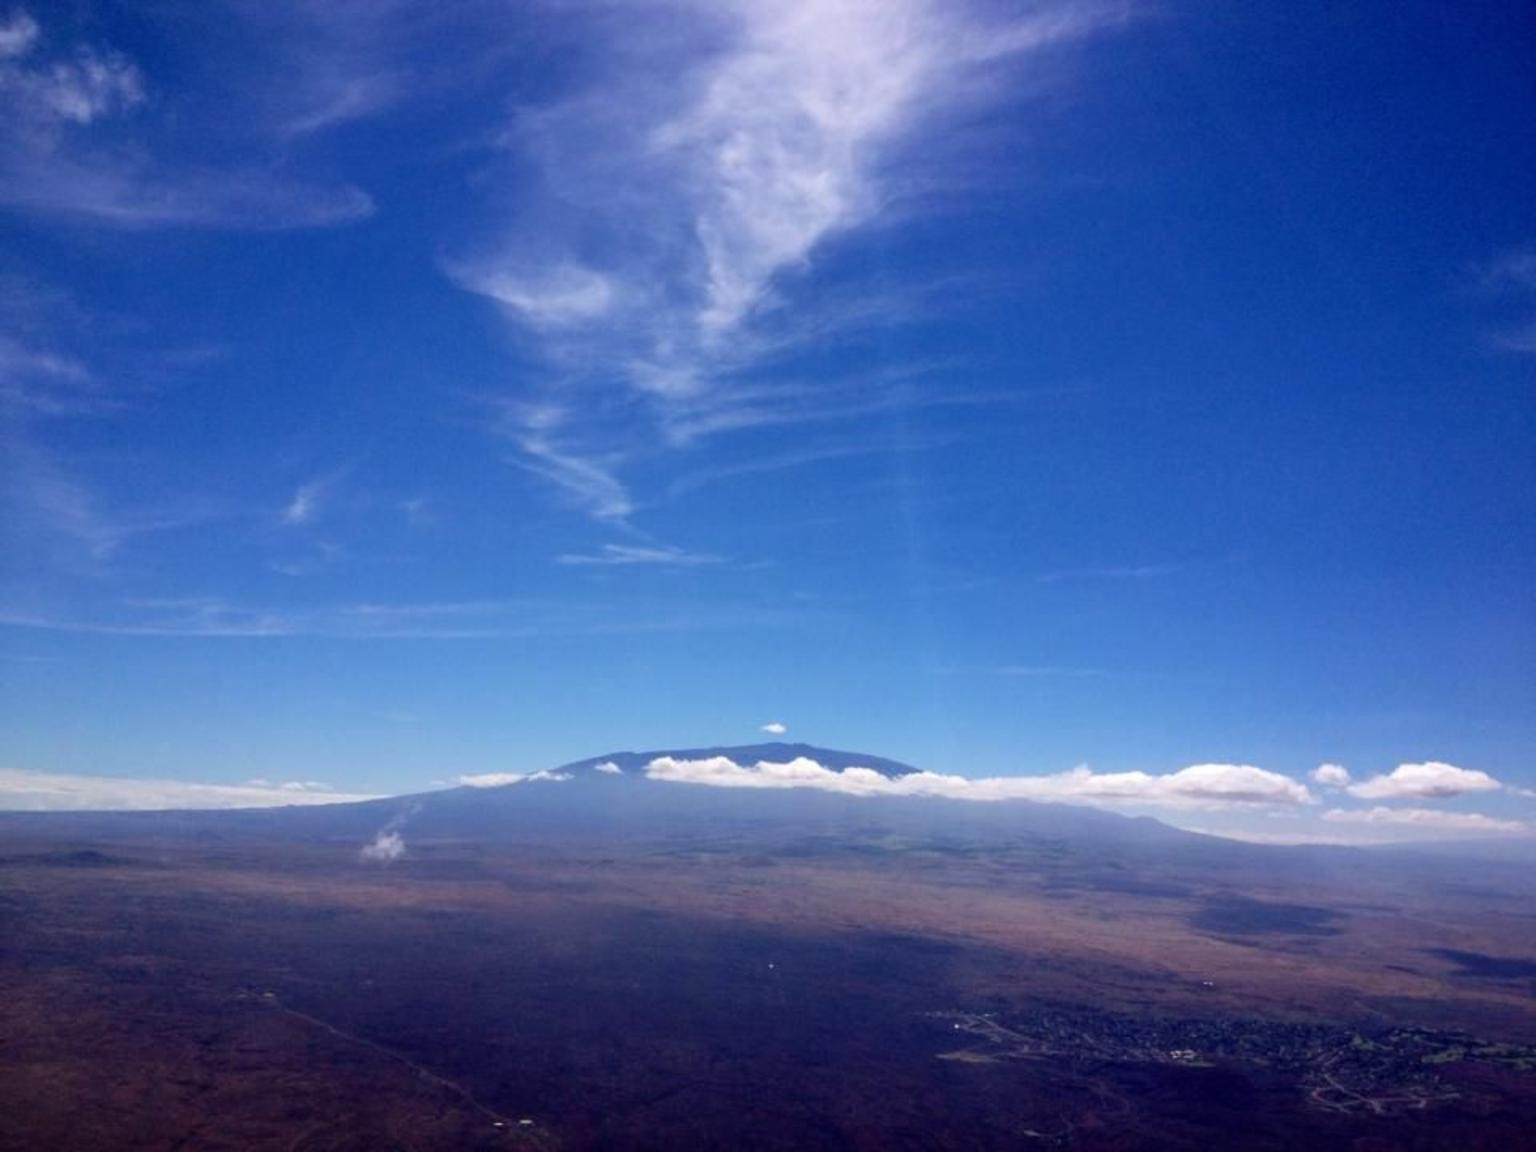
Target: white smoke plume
388,845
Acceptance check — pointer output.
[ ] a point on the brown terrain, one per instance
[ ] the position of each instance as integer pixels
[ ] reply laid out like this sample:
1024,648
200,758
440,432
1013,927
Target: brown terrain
232,986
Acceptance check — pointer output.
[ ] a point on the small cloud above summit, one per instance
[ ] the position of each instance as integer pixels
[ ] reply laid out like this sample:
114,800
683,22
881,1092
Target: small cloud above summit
774,728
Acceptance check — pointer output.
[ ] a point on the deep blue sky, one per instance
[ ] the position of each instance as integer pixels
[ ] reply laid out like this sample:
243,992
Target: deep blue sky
392,395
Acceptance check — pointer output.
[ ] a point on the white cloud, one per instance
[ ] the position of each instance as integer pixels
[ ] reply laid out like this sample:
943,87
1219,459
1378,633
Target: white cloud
608,767
502,779
386,848
1201,785
775,728
1428,821
748,138
1429,781
27,791
1331,775
623,554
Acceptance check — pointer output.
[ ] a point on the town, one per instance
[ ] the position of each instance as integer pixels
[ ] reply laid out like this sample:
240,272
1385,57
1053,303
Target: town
1337,1068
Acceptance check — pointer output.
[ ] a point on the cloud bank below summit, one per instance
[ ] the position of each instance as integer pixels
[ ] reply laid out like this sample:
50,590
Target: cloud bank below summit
1243,792
1199,785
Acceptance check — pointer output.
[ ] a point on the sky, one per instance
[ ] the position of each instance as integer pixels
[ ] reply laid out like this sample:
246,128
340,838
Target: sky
1092,393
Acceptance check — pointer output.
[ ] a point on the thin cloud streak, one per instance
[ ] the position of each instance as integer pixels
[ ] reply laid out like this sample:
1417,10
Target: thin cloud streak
1109,572
27,791
1430,822
474,620
626,555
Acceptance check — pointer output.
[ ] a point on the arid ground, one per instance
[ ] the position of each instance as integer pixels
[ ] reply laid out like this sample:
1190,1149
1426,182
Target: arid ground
230,987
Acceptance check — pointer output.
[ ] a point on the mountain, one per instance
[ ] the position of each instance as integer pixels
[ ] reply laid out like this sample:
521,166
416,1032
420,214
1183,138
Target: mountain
775,752
585,800
596,959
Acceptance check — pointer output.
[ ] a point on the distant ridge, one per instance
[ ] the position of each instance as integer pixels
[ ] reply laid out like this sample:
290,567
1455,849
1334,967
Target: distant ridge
746,754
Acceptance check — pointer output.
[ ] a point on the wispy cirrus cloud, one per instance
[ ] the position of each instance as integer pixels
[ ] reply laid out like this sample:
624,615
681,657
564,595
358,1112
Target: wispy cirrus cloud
589,479
42,382
309,499
52,521
80,139
302,507
748,139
